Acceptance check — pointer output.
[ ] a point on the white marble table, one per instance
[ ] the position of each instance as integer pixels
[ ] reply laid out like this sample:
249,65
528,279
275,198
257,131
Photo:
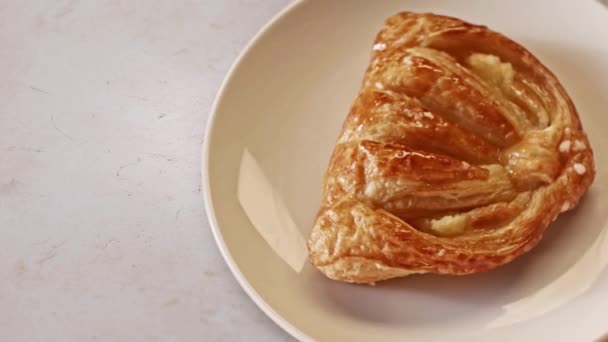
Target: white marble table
102,111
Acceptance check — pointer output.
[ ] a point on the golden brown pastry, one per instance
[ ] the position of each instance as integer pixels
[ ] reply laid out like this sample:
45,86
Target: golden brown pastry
460,149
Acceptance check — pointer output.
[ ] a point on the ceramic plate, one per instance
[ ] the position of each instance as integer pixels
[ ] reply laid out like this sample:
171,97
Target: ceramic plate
275,122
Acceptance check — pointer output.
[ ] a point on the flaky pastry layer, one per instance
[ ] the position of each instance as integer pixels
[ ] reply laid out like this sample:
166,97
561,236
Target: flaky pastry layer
459,151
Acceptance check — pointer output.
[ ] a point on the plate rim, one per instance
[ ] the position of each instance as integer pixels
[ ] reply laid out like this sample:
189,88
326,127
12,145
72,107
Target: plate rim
209,207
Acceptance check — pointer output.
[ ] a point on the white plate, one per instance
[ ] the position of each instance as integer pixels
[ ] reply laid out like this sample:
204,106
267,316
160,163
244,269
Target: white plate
285,100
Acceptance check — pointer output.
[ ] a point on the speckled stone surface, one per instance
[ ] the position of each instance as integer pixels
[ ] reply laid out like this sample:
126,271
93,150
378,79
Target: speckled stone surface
104,236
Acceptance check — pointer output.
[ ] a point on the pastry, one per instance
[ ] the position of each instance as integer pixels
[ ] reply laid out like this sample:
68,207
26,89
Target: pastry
459,150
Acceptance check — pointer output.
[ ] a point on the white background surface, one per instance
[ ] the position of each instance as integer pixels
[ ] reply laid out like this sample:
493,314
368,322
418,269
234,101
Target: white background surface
103,105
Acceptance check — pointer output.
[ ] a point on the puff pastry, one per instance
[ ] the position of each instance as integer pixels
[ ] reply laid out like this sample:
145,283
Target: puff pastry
459,150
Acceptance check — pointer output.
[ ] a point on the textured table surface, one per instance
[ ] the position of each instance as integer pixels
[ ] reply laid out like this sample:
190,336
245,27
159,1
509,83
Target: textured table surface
104,236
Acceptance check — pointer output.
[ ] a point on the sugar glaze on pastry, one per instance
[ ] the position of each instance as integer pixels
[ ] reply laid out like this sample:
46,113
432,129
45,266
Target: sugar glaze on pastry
459,150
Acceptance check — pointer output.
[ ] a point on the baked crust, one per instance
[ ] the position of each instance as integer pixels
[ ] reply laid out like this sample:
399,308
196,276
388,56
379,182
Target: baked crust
459,150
